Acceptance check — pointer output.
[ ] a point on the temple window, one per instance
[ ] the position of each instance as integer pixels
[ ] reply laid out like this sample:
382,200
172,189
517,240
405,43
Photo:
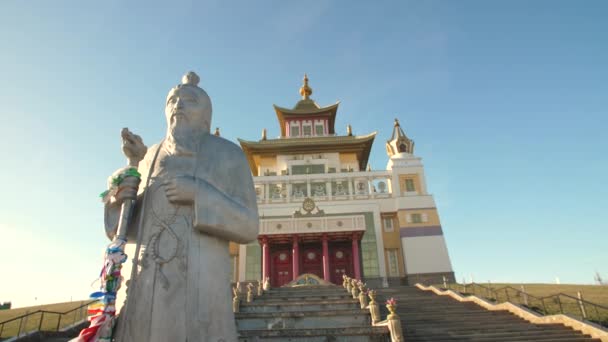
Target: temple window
276,191
393,263
307,169
294,131
319,129
416,218
299,190
388,224
409,185
339,188
318,189
307,130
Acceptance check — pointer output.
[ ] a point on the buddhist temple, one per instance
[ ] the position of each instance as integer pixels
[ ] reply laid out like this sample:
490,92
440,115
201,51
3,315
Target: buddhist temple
324,211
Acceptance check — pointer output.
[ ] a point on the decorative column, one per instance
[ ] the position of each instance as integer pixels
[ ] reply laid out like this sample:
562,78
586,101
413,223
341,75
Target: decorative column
295,260
308,193
356,261
325,258
265,258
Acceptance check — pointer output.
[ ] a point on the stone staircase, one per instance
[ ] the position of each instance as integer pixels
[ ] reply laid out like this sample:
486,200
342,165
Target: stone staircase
311,313
316,314
426,316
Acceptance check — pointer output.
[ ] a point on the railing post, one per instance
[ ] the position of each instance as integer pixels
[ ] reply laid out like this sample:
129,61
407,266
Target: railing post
507,294
354,289
249,293
559,301
581,305
374,309
524,295
363,299
2,328
41,319
59,321
489,291
20,324
235,300
82,311
394,324
542,300
597,314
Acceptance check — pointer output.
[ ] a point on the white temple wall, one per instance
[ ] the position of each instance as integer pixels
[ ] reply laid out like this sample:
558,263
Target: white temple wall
425,254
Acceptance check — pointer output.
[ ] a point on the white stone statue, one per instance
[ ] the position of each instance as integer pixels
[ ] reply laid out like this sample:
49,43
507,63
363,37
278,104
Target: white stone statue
196,195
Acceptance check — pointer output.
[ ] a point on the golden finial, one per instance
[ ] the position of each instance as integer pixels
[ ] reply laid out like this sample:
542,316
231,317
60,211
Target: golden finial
396,122
217,132
305,90
264,134
349,130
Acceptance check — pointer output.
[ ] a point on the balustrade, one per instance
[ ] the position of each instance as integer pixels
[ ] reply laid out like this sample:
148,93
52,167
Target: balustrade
324,187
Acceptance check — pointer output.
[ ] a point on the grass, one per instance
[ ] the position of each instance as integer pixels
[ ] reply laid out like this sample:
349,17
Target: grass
544,298
50,321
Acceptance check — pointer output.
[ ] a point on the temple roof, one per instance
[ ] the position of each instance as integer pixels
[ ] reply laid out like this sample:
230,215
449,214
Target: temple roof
399,142
361,145
307,107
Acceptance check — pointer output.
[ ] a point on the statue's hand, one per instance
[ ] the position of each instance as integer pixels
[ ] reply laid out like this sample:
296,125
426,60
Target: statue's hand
180,189
121,186
127,189
133,147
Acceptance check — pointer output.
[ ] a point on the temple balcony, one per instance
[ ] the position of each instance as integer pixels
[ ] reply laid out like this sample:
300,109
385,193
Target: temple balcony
324,187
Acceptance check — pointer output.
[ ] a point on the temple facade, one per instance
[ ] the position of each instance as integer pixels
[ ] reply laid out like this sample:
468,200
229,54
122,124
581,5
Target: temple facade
323,211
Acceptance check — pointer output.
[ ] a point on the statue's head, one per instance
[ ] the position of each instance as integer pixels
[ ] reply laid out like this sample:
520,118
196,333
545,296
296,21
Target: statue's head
188,106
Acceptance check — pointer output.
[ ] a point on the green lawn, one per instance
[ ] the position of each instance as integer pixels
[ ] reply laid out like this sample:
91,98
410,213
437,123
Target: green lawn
50,321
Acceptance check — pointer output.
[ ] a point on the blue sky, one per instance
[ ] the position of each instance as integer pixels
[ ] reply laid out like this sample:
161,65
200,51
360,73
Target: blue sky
506,100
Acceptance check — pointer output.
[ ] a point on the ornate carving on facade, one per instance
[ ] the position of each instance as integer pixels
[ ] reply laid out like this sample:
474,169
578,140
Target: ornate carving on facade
309,205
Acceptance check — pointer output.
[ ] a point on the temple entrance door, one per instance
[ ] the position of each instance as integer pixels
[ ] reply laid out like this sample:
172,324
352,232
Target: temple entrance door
280,267
340,262
312,260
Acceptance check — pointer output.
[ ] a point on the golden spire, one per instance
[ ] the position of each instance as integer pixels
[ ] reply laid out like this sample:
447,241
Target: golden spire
305,90
217,132
397,123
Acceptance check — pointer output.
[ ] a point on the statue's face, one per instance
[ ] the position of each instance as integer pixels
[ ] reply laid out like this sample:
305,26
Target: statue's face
188,106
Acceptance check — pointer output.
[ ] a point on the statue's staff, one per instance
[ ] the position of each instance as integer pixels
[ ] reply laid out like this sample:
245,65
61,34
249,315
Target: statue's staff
134,150
122,185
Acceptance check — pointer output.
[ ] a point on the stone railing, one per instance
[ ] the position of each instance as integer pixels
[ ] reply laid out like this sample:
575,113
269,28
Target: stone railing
357,289
324,186
253,290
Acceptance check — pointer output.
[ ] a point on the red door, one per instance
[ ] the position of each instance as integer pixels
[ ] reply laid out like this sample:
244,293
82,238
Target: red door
312,261
280,267
340,262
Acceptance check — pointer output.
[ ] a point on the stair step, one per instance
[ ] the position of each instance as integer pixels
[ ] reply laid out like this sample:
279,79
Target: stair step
346,334
265,306
426,316
302,319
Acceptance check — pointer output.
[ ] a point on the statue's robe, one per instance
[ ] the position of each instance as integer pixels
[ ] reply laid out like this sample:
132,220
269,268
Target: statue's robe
181,290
